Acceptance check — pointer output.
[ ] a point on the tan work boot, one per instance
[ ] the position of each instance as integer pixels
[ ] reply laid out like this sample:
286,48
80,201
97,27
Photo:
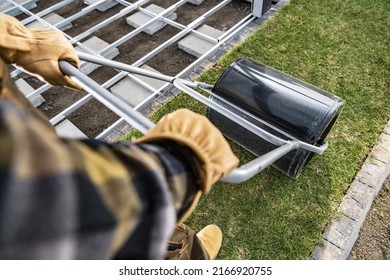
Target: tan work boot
211,238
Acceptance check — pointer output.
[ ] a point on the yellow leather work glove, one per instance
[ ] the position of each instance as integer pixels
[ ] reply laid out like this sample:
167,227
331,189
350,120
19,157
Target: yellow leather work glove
195,131
37,51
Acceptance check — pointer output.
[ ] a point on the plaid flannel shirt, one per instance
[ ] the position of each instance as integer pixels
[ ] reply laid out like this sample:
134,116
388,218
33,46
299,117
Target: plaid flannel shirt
84,199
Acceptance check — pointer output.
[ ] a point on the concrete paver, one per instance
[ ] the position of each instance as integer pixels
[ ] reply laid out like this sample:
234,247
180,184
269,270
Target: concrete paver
51,19
130,92
104,6
197,46
68,130
26,89
140,18
96,44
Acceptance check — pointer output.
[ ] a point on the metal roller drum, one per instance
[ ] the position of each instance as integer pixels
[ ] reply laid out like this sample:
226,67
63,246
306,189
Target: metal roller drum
282,120
278,103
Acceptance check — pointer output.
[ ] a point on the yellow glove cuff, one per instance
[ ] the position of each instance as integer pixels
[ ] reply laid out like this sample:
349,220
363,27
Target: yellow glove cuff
195,131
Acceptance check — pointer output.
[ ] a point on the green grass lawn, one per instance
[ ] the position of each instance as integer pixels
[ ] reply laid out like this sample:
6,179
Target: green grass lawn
341,46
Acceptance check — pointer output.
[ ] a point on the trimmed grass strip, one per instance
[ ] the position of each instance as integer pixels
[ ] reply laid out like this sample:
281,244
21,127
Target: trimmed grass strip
341,46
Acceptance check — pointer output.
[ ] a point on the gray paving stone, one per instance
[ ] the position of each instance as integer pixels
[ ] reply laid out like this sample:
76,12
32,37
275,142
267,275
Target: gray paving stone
384,142
371,172
52,19
352,209
361,193
130,92
26,89
197,46
140,18
387,129
96,44
381,151
154,83
335,237
197,2
68,130
104,6
5,5
327,251
345,225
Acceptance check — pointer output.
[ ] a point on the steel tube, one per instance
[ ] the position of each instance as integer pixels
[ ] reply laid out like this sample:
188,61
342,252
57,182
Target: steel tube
125,67
180,26
47,11
239,25
17,6
59,117
136,70
122,109
250,169
143,124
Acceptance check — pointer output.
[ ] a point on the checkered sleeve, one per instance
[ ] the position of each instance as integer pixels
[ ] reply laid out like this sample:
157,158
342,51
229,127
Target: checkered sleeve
84,199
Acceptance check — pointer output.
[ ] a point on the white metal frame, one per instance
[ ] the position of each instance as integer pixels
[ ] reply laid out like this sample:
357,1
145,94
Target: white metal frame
128,8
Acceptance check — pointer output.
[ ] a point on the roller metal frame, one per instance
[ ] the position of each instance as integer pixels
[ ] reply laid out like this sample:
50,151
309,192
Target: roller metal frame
241,174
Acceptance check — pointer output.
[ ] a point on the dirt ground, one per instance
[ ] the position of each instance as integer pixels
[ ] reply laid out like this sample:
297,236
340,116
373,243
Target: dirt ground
93,118
374,239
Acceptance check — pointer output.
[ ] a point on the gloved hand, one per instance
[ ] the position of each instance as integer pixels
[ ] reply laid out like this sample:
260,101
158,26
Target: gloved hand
37,51
195,131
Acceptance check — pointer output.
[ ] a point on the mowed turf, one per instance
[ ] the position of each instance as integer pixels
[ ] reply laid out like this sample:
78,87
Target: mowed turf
341,47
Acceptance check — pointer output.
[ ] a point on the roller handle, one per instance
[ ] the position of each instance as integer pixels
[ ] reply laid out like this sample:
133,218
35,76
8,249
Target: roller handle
123,110
143,124
188,87
136,70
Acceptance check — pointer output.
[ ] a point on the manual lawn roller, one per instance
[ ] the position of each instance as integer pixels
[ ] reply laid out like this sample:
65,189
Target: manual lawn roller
282,120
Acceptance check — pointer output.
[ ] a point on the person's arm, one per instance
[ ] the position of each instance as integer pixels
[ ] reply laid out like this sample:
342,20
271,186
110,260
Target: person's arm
62,198
87,199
